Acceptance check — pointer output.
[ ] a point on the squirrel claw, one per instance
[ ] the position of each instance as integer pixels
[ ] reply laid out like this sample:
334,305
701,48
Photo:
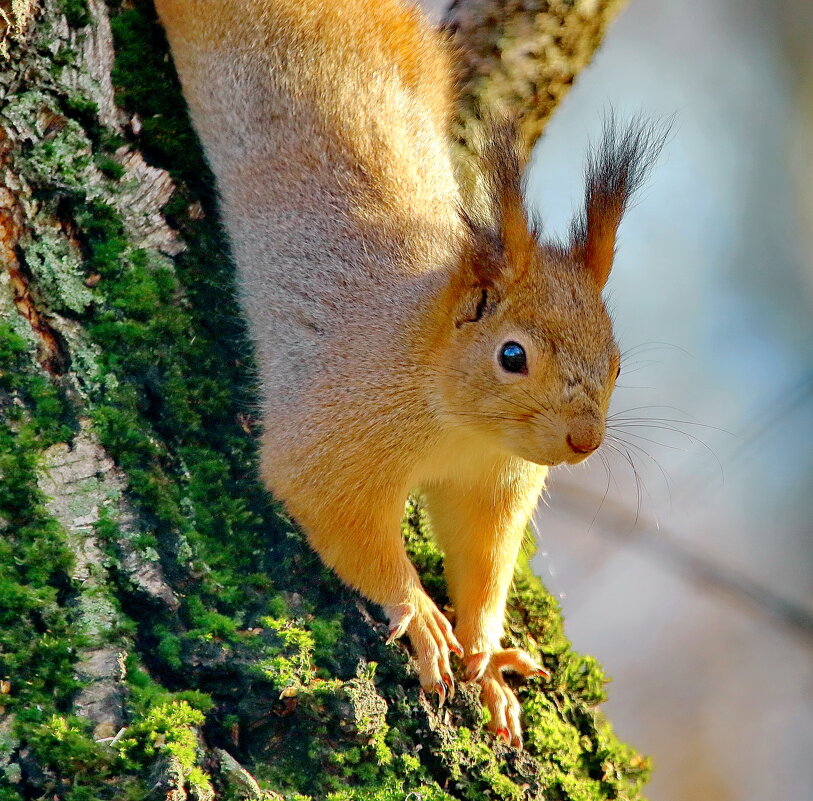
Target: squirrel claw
476,665
518,661
448,682
440,689
395,633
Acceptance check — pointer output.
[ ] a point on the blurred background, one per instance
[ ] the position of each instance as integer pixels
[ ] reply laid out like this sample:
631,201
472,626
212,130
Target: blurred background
684,559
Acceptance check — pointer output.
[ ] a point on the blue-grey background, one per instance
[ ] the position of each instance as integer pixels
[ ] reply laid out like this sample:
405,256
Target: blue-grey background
700,608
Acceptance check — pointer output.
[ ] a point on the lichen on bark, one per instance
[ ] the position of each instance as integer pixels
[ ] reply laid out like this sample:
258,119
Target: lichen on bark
520,58
165,632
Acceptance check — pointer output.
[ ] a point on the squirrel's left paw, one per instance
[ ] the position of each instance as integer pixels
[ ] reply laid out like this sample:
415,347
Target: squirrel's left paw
432,638
486,669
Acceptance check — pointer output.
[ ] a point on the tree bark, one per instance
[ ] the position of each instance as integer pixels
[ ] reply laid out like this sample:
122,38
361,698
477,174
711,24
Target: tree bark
165,632
520,57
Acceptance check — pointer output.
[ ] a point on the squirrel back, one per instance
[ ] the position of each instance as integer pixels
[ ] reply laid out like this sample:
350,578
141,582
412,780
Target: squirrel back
328,116
326,125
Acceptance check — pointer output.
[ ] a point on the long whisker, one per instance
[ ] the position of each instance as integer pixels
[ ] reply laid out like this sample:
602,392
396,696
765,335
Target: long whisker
644,347
617,418
657,464
627,367
650,406
672,408
647,439
624,453
691,437
606,463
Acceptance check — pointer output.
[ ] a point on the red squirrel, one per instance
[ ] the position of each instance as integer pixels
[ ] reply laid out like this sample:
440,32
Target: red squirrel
405,342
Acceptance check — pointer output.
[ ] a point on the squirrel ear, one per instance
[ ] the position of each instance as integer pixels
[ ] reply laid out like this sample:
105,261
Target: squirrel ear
502,248
473,289
616,169
504,160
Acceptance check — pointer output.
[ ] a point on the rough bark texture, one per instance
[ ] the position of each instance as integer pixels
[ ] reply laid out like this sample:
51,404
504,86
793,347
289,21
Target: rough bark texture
164,630
520,57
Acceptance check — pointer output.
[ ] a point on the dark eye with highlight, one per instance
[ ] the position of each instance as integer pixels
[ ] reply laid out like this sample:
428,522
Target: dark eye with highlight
512,358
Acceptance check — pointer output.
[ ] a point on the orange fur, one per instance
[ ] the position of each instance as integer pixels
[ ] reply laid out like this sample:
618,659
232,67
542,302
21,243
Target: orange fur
379,311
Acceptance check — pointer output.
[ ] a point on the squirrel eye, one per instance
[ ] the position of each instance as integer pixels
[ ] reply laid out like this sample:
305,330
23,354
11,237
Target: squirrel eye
618,372
512,358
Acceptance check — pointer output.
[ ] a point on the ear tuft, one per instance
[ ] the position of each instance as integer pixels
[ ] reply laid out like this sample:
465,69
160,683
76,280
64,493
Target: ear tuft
616,168
503,246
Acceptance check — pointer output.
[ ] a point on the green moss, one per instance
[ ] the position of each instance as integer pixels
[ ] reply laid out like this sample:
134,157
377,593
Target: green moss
103,230
146,693
391,789
66,740
289,649
39,634
109,166
166,726
80,106
76,12
169,647
163,724
326,633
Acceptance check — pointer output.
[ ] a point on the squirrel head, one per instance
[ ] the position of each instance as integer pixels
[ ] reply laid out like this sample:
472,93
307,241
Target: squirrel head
531,361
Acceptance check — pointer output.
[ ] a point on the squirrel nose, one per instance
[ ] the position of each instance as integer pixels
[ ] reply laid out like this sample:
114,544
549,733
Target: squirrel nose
584,440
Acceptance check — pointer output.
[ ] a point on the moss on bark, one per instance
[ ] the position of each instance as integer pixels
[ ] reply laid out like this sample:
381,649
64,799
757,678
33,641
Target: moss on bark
160,573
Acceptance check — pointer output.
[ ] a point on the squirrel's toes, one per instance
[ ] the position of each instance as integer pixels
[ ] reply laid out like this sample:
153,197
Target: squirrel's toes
432,638
503,706
518,661
500,700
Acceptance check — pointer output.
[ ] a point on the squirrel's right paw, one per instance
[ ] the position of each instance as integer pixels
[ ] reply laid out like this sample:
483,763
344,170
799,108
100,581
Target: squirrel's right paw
431,636
486,668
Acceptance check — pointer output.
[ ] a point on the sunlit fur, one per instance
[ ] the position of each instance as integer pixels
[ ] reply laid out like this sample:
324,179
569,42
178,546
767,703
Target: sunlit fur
327,127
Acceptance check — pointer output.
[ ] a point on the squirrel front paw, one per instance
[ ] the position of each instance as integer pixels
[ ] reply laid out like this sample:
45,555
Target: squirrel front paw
499,699
432,638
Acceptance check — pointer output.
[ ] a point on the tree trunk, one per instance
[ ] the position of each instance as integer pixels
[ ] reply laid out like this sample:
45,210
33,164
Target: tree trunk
165,632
